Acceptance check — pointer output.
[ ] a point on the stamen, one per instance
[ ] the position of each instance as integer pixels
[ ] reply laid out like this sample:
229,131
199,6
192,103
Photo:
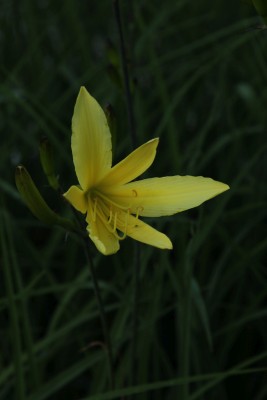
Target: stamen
100,211
115,222
126,225
110,215
138,210
108,200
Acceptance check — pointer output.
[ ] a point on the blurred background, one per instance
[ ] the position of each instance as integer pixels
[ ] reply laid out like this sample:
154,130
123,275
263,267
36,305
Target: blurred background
199,82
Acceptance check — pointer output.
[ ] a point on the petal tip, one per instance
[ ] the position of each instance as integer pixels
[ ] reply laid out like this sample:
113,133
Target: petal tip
83,89
155,141
100,244
168,245
83,92
223,187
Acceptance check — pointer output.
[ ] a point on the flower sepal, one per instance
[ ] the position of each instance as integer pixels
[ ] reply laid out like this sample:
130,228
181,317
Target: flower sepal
47,162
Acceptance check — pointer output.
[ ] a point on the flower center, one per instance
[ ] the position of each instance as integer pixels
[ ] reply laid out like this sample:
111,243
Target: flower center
112,214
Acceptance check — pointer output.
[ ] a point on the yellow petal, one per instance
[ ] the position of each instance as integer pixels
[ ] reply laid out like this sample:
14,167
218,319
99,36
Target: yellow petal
76,198
139,230
165,196
104,240
132,166
91,141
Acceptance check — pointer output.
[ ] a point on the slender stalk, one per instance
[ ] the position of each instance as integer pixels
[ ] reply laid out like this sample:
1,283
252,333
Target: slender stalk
101,308
135,310
126,79
131,124
101,312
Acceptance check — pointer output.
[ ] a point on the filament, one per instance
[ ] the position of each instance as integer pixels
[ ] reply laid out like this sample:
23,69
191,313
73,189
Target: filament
114,216
115,222
110,215
108,200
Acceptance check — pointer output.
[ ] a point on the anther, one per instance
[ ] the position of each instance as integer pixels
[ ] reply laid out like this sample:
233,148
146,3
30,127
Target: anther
108,200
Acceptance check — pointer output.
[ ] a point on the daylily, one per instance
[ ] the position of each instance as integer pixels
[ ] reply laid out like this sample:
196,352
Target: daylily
113,204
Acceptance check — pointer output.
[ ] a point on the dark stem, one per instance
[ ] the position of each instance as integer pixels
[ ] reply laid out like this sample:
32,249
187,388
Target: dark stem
136,275
126,79
101,308
131,123
101,312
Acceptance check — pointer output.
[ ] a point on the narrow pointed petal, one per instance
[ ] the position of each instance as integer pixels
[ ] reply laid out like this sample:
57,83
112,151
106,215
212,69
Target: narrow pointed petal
104,240
91,141
133,165
156,197
139,230
76,198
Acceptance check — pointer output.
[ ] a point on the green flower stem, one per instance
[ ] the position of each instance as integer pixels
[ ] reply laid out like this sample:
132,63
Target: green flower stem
125,74
101,308
135,310
101,312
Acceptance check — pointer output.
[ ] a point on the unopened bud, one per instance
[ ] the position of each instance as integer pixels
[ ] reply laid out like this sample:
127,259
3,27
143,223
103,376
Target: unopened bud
111,118
113,55
115,75
261,7
35,202
47,161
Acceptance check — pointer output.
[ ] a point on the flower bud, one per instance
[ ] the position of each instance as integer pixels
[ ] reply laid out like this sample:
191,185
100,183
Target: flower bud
35,202
113,55
261,7
115,76
111,118
47,161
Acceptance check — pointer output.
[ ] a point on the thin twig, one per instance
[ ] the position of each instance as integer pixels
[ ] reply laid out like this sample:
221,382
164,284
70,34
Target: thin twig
126,79
135,321
101,309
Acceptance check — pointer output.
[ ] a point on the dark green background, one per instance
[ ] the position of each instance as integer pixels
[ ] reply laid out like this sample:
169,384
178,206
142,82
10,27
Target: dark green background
199,78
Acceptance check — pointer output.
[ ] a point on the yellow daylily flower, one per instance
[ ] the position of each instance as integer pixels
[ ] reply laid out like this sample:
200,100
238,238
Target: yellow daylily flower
113,204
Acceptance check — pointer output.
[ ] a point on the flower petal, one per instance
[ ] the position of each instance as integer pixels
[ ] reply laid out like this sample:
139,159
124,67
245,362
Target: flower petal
76,198
132,166
91,141
165,196
104,240
139,230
